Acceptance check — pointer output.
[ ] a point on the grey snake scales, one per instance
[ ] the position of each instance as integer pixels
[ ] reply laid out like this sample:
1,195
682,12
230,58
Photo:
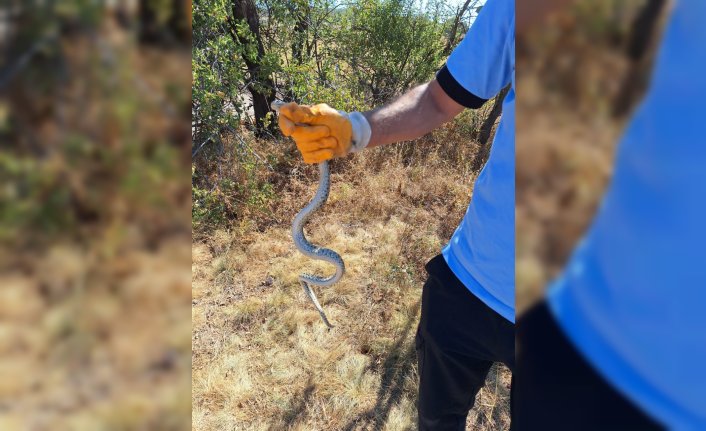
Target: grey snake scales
309,249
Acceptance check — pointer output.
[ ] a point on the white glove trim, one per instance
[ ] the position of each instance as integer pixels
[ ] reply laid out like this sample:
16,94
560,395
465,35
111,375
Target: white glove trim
361,131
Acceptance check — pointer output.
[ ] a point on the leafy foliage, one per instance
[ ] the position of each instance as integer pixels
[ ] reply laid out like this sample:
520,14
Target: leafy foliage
84,128
350,55
392,44
217,70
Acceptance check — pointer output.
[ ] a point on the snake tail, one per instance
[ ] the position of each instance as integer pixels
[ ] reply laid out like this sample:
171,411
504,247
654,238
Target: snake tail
312,251
312,296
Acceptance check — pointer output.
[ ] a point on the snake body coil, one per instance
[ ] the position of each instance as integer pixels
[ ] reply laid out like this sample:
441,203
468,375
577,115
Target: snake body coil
313,251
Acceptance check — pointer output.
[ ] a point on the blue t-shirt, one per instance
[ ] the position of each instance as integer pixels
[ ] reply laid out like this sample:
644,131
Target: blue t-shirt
481,252
633,296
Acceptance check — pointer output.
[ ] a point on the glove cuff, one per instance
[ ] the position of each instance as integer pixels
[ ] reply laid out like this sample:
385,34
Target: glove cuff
361,131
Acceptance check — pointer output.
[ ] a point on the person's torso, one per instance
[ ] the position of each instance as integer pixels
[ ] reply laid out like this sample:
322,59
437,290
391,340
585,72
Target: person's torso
633,296
481,252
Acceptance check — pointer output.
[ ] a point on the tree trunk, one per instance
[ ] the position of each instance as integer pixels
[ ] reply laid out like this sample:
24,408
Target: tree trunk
454,29
487,127
175,31
262,93
180,21
641,38
300,32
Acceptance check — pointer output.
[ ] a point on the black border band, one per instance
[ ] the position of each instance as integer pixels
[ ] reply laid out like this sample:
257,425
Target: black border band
456,91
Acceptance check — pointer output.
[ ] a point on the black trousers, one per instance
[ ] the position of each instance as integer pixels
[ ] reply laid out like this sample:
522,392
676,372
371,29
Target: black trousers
554,388
458,340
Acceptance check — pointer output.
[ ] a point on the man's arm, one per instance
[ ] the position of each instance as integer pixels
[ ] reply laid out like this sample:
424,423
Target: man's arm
322,132
414,114
475,71
426,107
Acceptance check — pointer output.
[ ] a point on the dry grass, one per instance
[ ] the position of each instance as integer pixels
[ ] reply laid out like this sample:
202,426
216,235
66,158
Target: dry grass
568,79
564,161
94,314
90,341
263,360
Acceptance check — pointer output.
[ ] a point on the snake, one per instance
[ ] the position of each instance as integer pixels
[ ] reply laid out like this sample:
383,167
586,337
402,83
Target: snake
307,248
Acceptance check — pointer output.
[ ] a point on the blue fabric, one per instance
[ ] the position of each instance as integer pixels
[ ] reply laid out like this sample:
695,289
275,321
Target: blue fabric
481,252
633,296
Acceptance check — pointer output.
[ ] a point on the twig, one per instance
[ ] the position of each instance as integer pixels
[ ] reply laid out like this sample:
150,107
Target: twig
194,153
12,70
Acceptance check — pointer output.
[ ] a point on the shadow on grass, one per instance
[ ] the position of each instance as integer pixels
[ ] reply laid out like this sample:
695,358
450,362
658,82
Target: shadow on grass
397,367
297,412
482,421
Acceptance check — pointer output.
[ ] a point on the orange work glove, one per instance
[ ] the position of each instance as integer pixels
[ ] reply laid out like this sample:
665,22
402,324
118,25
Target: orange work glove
321,132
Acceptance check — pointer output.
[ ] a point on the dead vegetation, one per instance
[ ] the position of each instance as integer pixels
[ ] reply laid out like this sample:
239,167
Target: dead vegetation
94,237
577,82
93,341
564,161
262,359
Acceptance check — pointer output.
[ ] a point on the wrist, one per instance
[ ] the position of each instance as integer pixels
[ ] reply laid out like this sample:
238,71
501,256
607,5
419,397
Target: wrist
361,131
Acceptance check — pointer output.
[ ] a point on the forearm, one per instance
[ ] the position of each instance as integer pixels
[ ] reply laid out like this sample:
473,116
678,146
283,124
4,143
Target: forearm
414,114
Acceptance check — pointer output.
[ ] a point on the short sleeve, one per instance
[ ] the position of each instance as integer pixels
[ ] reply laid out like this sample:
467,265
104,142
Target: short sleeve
483,63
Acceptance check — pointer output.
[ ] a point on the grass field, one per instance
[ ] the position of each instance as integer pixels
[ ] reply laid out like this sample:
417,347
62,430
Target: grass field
263,360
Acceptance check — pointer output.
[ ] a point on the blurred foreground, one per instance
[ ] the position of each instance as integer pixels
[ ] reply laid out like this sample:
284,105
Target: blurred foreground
94,216
630,299
578,77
